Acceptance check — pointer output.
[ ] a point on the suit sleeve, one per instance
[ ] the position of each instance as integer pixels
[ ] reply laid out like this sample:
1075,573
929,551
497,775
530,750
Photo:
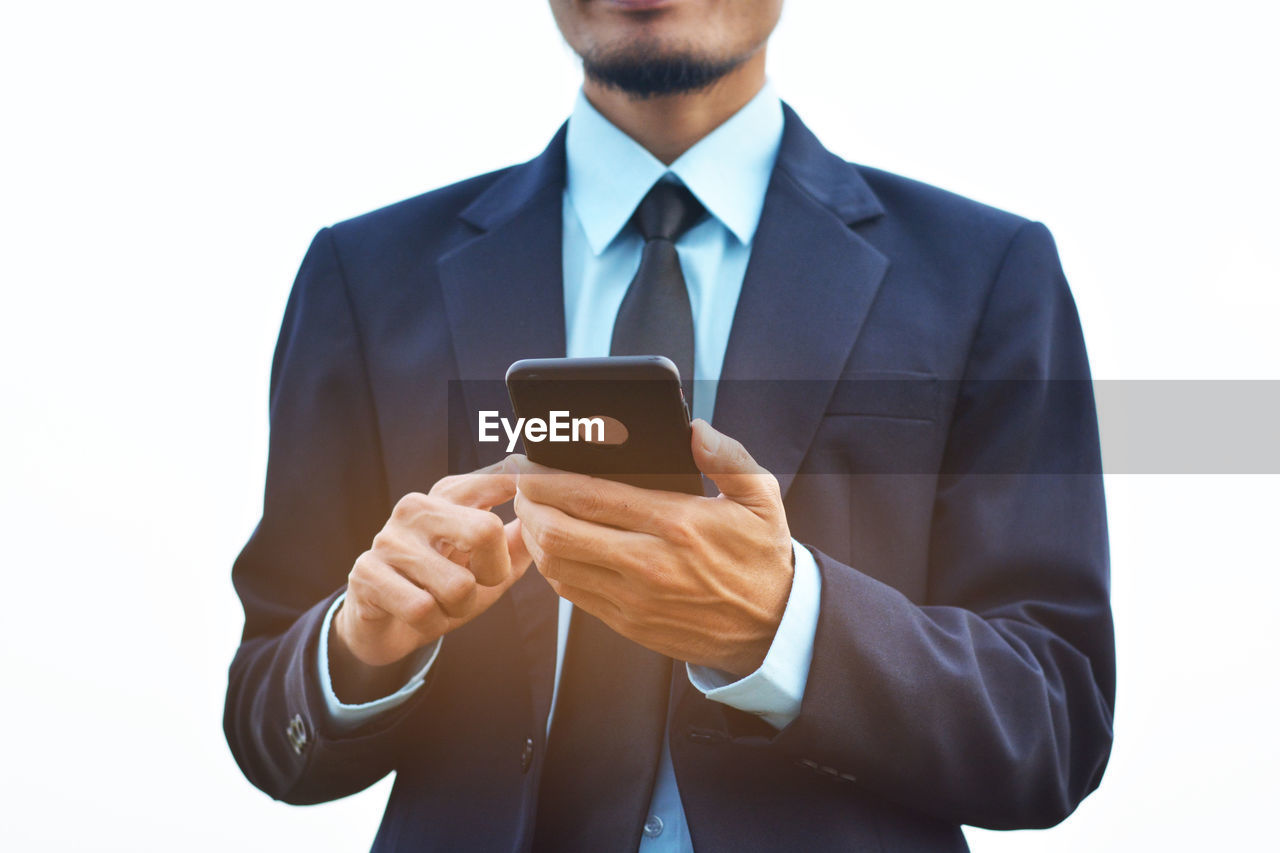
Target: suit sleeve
325,499
990,701
345,718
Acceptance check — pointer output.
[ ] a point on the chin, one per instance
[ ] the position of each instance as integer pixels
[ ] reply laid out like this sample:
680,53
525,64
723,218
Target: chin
653,70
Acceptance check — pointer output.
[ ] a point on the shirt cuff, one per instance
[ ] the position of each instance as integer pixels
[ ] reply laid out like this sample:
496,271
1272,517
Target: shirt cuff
773,692
347,718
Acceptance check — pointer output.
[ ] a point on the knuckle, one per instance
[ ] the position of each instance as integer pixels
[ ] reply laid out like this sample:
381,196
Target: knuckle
477,529
363,567
420,611
680,530
357,586
549,538
489,527
590,502
409,506
359,610
457,590
773,486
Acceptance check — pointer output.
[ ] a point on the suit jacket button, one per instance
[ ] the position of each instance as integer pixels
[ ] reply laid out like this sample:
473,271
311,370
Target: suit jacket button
296,731
526,755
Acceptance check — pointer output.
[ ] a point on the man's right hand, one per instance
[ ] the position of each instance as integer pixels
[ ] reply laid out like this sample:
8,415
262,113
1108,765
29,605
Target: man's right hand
440,561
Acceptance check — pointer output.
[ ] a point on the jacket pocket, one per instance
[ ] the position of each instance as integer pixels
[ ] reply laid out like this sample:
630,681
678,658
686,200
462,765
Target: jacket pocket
896,394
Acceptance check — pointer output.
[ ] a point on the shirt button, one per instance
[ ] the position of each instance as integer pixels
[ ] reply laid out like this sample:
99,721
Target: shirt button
652,826
526,756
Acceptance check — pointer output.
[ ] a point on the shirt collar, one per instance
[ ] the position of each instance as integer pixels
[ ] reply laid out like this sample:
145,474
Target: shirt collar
728,169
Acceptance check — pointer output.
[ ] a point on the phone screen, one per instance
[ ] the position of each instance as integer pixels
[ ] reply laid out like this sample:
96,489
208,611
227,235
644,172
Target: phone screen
622,418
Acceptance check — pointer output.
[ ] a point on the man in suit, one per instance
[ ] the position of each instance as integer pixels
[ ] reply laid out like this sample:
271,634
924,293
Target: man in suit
891,618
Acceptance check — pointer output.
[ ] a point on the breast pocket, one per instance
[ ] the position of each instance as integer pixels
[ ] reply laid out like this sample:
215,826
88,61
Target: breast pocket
866,489
898,395
880,422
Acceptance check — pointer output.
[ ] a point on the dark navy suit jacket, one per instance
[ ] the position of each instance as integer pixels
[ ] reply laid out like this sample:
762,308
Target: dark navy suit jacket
963,666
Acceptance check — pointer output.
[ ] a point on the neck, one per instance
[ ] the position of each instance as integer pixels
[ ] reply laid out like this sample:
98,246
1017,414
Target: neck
669,125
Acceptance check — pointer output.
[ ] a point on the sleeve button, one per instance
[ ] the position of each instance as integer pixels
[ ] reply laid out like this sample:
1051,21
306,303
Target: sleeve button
526,755
296,731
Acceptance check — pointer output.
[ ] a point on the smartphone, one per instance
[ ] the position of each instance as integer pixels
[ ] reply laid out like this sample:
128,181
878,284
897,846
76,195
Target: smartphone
622,418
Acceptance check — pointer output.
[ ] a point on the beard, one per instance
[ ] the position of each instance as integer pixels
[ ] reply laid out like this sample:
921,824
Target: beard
648,70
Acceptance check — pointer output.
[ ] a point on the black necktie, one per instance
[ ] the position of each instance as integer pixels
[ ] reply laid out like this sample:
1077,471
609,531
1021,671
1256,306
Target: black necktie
655,317
611,709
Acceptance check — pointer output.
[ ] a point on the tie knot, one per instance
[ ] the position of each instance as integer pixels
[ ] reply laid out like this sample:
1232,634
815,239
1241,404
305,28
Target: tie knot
667,211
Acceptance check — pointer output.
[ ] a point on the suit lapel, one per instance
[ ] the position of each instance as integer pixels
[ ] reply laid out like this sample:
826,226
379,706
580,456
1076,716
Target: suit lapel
504,299
504,289
809,284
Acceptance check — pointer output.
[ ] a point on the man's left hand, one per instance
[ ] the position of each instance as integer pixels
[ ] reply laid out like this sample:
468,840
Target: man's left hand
703,580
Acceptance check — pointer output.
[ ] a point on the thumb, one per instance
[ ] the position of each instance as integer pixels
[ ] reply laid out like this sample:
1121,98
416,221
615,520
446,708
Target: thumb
520,556
728,464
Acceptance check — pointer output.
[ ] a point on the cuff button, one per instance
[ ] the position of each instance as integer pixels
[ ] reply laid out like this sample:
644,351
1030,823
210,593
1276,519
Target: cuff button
296,731
526,755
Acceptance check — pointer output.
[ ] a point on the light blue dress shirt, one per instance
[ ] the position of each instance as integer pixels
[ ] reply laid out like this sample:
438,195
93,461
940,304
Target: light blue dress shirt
608,174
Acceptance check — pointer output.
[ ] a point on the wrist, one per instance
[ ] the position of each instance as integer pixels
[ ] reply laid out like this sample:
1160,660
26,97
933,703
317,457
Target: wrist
747,657
354,681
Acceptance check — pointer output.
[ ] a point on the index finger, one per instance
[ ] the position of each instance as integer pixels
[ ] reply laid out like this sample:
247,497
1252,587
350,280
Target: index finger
483,488
599,500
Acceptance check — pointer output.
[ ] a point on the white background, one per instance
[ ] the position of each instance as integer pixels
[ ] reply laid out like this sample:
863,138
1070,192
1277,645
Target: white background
164,165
